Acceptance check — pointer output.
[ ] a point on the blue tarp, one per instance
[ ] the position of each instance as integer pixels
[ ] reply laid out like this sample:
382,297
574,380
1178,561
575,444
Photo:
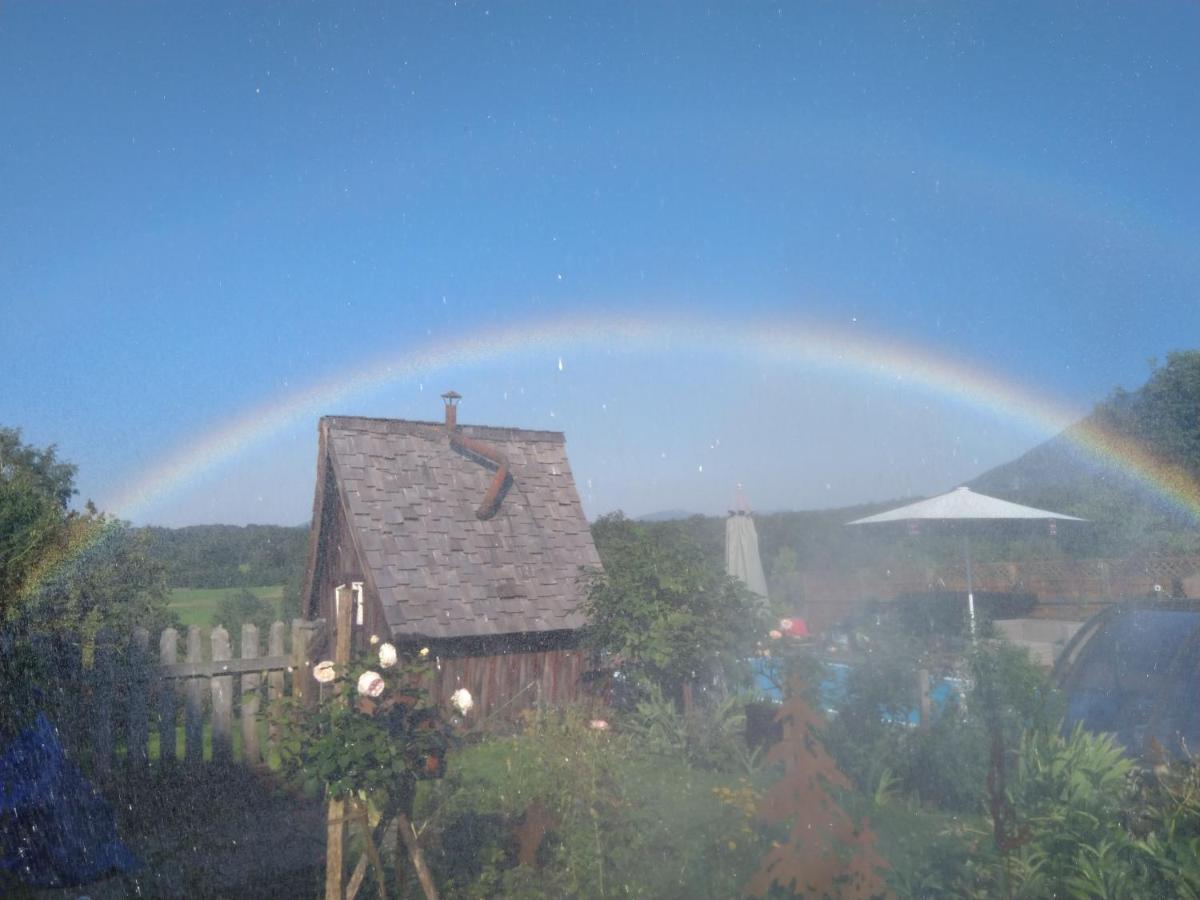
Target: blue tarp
55,829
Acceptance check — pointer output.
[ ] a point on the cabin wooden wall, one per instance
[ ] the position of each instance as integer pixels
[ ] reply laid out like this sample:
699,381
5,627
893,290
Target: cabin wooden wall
336,563
505,685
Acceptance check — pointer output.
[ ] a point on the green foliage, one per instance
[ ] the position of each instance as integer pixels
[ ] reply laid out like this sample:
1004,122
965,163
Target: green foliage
785,582
35,488
625,822
1162,412
711,736
946,766
866,737
666,609
99,574
377,747
244,608
1090,825
198,606
220,556
65,570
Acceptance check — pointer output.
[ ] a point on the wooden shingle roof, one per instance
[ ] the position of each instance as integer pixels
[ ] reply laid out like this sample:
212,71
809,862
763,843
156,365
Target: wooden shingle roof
438,570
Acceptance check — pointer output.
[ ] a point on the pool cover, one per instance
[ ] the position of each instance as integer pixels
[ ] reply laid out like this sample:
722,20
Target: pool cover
1137,676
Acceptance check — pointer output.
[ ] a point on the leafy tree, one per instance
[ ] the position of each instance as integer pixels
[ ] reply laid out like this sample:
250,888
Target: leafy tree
61,568
35,488
665,608
244,608
220,556
785,583
96,573
1164,413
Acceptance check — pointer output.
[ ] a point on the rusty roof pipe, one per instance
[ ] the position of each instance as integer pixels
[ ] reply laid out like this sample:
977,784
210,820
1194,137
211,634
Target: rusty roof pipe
491,500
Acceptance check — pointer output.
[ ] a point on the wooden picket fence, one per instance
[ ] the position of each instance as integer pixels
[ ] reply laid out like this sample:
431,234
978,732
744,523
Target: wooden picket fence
110,695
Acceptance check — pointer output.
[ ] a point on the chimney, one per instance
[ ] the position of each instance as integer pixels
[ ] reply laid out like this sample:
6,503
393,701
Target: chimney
451,399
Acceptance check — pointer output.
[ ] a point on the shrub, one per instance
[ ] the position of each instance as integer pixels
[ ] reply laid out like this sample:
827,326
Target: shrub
1083,823
614,813
243,607
373,743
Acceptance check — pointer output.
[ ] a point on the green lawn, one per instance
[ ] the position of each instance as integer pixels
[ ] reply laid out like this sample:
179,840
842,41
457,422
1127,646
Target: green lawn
196,606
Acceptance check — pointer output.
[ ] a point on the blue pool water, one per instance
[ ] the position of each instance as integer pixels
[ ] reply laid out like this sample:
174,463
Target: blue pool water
832,691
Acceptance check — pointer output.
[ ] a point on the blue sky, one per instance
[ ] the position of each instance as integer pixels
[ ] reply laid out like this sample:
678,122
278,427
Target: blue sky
206,208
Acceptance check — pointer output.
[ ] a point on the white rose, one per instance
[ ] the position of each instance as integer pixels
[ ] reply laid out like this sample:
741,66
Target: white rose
786,624
370,684
387,655
462,700
324,671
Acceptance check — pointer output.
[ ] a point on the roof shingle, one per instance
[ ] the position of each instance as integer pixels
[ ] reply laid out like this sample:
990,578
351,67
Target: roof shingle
441,572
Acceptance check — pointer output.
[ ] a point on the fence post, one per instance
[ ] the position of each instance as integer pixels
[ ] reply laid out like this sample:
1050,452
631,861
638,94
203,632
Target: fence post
137,755
335,829
168,650
193,721
274,680
222,700
103,671
250,698
303,685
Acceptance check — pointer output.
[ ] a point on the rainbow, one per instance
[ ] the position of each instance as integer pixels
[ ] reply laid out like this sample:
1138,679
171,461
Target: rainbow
850,351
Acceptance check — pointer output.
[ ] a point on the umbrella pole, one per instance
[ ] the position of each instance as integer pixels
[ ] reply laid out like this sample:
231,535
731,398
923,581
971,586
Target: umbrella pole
970,587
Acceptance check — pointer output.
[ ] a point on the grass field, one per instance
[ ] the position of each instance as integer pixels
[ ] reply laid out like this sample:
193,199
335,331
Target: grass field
196,606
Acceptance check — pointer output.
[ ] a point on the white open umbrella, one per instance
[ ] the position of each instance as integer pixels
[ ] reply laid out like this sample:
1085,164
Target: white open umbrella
963,505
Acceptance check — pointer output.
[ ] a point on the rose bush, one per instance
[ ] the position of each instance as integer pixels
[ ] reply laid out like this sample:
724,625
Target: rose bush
375,737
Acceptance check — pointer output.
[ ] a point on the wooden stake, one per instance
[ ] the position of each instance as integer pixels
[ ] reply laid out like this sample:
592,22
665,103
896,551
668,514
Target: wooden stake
335,830
409,835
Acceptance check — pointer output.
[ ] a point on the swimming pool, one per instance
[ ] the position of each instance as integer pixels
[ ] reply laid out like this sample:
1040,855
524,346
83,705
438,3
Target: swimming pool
832,691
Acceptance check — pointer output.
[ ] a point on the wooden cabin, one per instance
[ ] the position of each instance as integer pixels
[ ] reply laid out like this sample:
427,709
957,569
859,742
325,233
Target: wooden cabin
465,539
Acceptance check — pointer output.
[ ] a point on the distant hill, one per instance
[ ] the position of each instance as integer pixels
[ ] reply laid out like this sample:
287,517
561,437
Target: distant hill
1125,518
1163,417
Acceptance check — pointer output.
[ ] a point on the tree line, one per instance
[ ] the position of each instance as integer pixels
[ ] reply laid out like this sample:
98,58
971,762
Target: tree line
228,556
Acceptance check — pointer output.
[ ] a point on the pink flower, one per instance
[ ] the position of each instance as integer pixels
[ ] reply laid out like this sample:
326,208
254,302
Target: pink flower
774,634
598,725
324,671
371,684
